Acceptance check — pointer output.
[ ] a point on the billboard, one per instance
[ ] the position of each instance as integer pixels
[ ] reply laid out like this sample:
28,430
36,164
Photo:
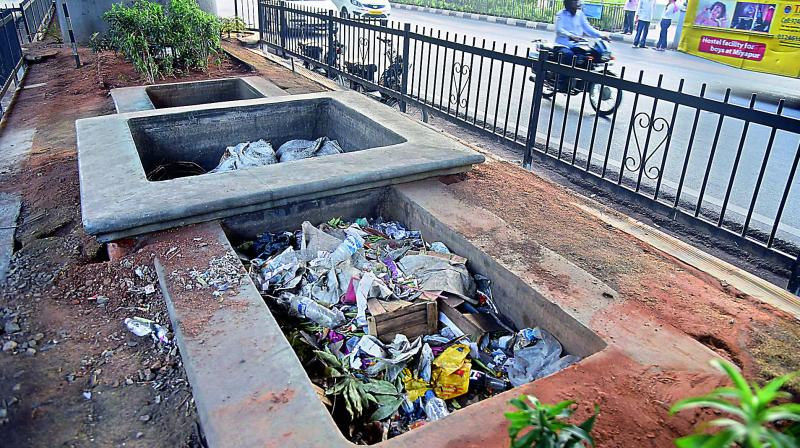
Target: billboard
754,35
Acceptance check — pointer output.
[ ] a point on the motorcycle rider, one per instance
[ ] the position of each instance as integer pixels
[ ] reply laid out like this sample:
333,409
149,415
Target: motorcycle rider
571,26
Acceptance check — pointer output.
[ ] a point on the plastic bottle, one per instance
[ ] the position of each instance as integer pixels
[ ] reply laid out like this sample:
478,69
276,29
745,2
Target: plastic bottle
311,310
435,407
351,244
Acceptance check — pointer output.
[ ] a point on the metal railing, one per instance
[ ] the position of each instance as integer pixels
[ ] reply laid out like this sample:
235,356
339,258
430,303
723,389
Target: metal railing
710,164
607,16
19,26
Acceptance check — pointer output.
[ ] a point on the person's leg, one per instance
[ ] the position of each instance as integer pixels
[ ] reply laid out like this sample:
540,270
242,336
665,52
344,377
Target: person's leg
638,33
645,28
662,39
566,58
627,26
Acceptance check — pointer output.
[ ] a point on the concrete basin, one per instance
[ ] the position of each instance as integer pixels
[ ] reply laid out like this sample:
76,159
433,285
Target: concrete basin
116,152
132,99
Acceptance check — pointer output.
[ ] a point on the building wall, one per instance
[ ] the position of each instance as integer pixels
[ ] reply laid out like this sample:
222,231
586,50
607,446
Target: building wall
87,16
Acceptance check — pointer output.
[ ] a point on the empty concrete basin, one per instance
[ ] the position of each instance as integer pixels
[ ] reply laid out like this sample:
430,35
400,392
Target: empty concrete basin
115,153
131,99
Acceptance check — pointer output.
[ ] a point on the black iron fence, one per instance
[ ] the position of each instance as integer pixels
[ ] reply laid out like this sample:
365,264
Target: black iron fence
725,165
607,16
18,26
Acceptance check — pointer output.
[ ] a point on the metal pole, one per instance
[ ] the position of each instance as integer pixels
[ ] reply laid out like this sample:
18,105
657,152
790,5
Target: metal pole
71,36
261,13
330,55
404,78
25,21
536,104
283,30
236,8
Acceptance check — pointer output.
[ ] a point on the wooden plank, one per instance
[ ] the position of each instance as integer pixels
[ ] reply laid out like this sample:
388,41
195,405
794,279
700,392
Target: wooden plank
432,311
404,322
410,333
401,312
372,328
459,320
394,305
375,307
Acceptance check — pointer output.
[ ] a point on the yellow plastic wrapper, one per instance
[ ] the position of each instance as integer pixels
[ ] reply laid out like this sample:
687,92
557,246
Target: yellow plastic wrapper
450,372
415,387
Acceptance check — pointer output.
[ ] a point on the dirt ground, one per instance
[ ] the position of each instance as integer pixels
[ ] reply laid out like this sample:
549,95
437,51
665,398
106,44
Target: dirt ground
77,377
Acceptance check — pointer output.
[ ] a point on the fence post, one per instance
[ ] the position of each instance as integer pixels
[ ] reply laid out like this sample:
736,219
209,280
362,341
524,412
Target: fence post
71,36
330,55
539,74
261,16
25,21
404,78
282,24
794,277
236,8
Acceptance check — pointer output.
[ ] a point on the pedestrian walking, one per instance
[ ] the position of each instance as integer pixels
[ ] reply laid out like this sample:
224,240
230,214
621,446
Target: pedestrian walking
670,13
630,13
644,14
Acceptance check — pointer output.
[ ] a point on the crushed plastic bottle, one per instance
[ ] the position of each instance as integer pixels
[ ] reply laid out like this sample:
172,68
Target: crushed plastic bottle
311,310
435,407
349,246
144,327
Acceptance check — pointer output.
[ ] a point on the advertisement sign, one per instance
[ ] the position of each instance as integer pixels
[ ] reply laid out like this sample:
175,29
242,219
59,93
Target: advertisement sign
754,35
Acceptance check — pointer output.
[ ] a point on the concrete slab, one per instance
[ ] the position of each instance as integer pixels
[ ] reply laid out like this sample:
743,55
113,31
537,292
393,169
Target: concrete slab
161,96
9,212
382,147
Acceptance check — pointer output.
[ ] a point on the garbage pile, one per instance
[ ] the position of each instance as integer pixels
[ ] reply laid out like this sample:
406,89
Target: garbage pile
260,153
394,332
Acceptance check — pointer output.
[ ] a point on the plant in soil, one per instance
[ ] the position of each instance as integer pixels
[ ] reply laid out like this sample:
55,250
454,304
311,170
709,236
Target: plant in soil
543,425
753,418
228,25
161,41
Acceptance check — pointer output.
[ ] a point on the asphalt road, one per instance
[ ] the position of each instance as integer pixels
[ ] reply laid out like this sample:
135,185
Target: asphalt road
502,93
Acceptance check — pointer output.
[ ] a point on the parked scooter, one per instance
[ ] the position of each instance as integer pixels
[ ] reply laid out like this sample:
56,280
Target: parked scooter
594,56
315,52
391,78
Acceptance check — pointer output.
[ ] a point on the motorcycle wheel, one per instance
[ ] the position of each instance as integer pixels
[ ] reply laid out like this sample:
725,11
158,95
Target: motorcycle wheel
547,88
604,99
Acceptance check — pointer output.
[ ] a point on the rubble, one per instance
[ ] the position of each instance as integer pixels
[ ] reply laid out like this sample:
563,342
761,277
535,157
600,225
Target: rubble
397,329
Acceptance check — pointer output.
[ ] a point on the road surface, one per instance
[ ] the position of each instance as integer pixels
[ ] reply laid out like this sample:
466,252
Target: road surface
502,93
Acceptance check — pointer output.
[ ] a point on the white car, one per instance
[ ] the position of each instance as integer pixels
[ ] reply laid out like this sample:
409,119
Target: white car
300,24
364,9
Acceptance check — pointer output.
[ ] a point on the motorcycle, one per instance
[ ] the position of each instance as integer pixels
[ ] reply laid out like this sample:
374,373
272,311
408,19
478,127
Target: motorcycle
316,53
594,56
391,78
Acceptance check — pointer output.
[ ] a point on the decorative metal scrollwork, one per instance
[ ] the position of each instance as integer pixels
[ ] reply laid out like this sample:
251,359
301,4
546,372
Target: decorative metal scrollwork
363,49
655,127
458,87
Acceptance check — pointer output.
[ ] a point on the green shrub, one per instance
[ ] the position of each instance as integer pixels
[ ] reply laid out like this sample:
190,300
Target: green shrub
231,25
546,425
751,415
159,41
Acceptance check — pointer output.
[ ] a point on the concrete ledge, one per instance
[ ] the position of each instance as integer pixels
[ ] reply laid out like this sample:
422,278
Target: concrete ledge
134,99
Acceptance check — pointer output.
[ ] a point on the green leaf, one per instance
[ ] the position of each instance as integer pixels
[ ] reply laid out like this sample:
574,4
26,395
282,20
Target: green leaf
709,402
380,387
386,410
737,378
770,391
721,439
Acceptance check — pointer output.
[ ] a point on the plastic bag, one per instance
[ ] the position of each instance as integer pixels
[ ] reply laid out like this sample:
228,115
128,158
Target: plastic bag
303,149
439,274
451,369
529,362
561,364
415,387
246,155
